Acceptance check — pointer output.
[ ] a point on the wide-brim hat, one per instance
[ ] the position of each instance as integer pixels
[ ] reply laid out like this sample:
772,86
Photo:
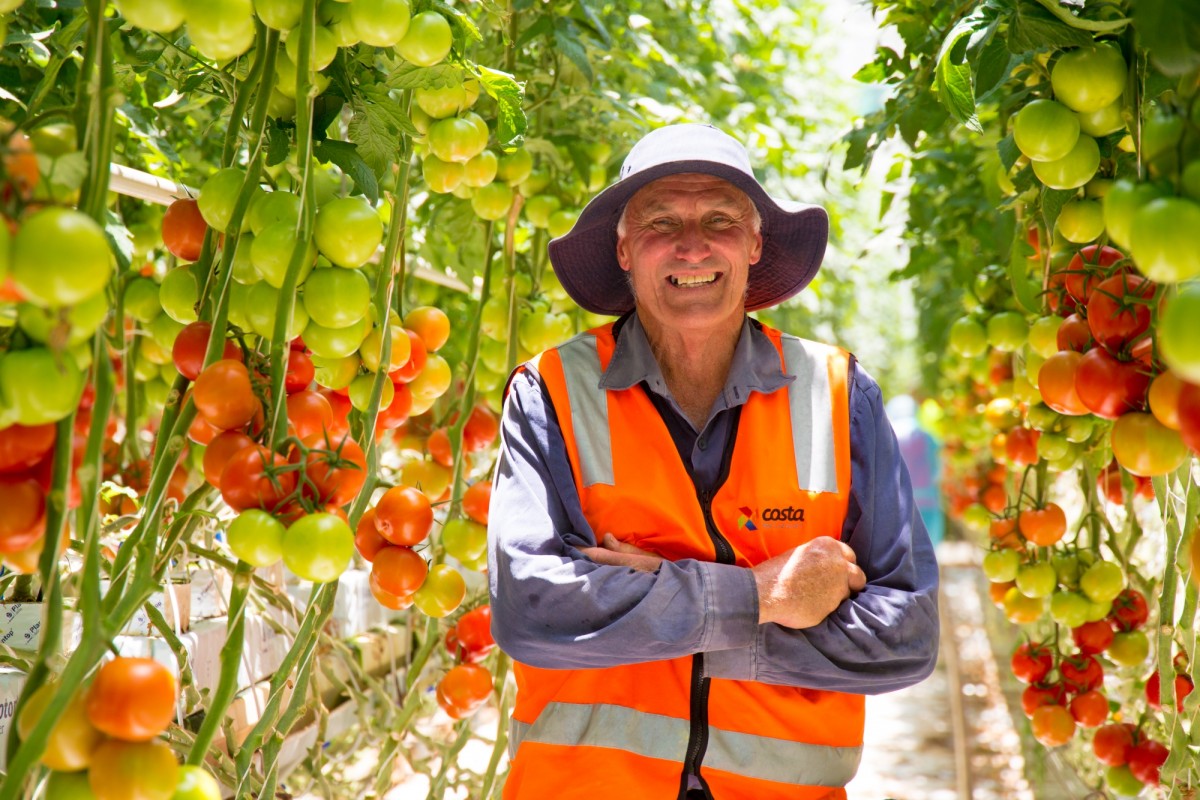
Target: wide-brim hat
794,234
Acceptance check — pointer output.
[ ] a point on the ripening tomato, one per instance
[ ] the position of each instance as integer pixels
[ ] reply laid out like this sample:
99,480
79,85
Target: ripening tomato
73,739
132,699
398,411
1031,662
1056,382
1144,446
24,505
464,689
464,539
417,355
196,783
183,229
476,501
22,446
224,395
309,413
133,771
1146,759
191,345
399,570
367,540
219,451
1089,709
439,447
1043,526
429,323
404,516
396,602
442,592
336,465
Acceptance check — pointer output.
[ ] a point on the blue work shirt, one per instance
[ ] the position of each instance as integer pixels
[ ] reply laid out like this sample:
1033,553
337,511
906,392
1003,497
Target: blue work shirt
553,607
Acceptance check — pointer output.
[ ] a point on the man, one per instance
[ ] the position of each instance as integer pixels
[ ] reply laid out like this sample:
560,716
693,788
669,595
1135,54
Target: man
703,547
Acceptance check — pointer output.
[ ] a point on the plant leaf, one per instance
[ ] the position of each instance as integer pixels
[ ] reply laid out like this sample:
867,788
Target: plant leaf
509,95
347,158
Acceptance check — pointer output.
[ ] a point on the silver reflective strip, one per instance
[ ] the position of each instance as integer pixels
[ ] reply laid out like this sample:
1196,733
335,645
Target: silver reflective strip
779,760
812,415
589,409
657,736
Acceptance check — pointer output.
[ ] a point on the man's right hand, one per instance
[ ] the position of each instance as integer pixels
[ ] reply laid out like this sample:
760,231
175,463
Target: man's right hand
802,586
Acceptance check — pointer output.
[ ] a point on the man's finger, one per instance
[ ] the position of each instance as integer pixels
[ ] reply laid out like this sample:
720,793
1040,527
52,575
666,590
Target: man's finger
858,579
611,542
600,555
849,553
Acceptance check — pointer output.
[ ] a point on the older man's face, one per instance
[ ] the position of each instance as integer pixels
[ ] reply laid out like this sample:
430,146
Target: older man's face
688,245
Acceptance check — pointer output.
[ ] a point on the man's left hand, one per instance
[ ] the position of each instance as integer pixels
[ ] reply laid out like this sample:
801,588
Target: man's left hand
615,553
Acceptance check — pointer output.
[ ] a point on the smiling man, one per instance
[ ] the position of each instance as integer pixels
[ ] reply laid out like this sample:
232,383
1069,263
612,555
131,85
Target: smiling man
703,547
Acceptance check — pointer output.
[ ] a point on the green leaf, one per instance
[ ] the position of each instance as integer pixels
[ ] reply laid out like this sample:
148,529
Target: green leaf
953,73
1025,290
409,76
1033,28
389,108
566,39
1170,32
543,27
594,23
463,25
1009,152
1024,179
509,95
277,144
326,108
994,65
347,158
1053,201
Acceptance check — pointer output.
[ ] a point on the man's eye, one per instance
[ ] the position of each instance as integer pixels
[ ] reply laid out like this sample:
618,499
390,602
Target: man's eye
662,224
720,220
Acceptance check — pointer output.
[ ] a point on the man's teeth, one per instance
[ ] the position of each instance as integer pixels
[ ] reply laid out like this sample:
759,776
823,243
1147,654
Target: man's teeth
693,280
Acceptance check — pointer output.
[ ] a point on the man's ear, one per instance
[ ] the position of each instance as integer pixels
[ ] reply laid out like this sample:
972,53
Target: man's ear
622,253
756,249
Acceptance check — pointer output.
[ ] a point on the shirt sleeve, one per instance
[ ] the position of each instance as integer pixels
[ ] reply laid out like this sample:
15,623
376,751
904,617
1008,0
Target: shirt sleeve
554,608
885,637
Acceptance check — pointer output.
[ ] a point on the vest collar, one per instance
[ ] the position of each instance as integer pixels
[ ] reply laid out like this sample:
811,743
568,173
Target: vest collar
756,365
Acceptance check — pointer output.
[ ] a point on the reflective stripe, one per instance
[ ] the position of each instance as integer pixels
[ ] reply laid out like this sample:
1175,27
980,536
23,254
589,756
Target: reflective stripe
812,415
662,737
589,409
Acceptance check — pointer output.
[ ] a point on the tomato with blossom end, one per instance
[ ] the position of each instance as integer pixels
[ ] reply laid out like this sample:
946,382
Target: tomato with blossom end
132,699
318,547
1112,743
1146,759
1053,725
1182,687
404,516
1129,610
478,498
367,540
1089,709
1031,662
1092,637
336,465
73,739
191,345
183,229
133,771
254,477
399,570
464,689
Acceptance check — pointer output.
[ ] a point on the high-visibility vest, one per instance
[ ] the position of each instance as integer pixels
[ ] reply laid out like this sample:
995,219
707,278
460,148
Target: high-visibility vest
638,731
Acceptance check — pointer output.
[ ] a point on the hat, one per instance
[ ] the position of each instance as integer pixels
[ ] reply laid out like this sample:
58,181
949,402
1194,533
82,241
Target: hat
794,234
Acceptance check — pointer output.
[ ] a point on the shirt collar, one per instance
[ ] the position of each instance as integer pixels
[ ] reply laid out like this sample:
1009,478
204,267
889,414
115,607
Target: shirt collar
756,365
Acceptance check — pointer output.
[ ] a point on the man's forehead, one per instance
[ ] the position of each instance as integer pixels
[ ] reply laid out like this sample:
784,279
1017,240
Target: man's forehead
689,185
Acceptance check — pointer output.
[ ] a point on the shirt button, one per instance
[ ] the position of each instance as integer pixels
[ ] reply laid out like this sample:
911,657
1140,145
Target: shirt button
702,443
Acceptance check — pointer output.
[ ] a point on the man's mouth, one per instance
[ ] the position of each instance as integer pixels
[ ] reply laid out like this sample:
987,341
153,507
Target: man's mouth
694,278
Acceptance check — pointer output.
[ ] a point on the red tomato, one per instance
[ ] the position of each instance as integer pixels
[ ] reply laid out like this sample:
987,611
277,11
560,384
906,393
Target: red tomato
1183,686
190,346
1109,387
399,570
132,699
1119,310
1189,416
464,689
1093,637
224,396
201,432
1031,662
1109,484
1043,526
1129,611
387,599
481,429
1090,709
22,446
404,516
476,501
337,466
218,453
183,229
1074,334
396,414
1081,673
1146,760
418,354
309,412
367,540
1056,382
246,483
1112,743
24,509
1086,268
1035,697
474,630
438,445
300,372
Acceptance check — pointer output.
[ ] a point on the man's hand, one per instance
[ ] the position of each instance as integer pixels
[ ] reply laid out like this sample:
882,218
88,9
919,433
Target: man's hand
802,586
616,553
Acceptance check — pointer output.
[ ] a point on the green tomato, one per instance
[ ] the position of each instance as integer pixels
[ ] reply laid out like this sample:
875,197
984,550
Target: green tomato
360,392
464,540
82,320
1102,581
514,167
1045,130
256,537
968,338
318,547
1129,648
348,231
178,294
196,783
427,40
1066,567
272,250
1098,611
158,16
1161,133
221,29
539,208
261,305
243,265
1121,780
492,202
1190,180
1178,342
1089,78
441,593
269,208
441,103
442,177
457,139
219,195
1041,417
1037,579
380,23
1000,566
324,48
164,330
1007,330
1043,335
481,170
1053,446
155,393
1122,202
561,222
1072,170
335,373
38,386
371,349
1081,221
1069,608
336,342
141,299
1103,122
336,298
541,329
1164,239
1078,430
282,15
59,257
239,304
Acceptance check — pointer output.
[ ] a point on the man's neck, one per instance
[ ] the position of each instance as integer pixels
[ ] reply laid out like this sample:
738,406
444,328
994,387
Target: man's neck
694,363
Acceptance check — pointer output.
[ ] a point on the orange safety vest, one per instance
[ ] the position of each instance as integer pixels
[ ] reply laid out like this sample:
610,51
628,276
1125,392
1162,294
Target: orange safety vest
638,731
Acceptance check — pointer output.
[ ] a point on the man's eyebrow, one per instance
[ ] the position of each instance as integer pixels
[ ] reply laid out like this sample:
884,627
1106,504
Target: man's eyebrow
726,202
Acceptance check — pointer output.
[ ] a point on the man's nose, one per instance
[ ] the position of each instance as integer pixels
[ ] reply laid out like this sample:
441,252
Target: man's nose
692,244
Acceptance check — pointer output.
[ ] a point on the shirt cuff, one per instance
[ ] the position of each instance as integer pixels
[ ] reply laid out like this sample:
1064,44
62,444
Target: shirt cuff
731,599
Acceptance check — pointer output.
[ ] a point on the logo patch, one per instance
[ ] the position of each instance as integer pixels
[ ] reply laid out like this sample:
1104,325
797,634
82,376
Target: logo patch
745,521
